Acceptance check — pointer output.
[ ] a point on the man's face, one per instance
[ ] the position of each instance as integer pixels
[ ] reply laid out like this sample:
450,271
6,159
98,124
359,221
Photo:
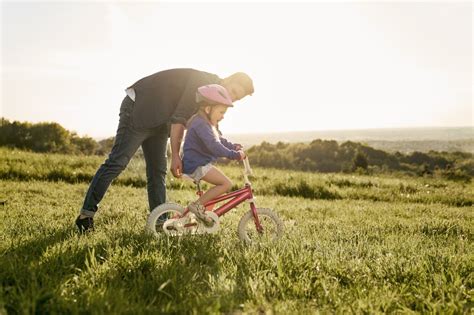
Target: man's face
236,91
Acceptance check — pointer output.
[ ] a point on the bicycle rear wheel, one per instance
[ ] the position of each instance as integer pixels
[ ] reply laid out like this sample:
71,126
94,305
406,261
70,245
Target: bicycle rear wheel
271,223
168,212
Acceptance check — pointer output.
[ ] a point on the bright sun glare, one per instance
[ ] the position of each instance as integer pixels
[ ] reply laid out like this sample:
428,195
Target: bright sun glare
314,65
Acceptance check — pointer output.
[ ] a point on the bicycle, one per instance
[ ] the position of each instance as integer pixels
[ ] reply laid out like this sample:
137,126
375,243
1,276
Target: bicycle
255,225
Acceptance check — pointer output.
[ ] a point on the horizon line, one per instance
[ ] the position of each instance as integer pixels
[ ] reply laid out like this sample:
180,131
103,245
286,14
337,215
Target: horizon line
350,129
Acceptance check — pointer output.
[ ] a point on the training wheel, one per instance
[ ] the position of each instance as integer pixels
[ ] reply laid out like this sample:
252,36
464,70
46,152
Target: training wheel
202,228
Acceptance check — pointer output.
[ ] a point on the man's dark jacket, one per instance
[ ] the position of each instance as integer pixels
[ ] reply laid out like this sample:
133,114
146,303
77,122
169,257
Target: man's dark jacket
168,96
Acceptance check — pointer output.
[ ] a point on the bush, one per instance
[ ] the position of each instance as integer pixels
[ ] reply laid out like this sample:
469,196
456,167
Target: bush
302,189
47,137
360,161
456,175
328,156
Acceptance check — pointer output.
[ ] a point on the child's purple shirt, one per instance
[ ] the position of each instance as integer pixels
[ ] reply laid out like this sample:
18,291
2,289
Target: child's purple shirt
202,146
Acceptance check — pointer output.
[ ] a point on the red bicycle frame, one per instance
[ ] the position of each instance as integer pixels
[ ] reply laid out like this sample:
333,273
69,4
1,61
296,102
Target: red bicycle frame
236,198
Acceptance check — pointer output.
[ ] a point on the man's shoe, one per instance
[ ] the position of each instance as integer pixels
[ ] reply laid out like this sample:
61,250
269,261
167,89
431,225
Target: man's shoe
200,212
85,225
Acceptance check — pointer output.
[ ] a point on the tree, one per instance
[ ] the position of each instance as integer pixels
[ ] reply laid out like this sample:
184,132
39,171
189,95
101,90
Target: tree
84,145
360,161
44,137
105,146
49,137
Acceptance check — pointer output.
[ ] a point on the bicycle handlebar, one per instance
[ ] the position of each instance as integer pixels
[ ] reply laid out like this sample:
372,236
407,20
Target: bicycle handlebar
248,170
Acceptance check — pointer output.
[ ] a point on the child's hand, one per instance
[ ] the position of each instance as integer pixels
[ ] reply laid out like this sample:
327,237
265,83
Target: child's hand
242,155
238,147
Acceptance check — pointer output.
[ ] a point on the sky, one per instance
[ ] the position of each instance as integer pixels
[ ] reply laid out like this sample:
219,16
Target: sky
315,65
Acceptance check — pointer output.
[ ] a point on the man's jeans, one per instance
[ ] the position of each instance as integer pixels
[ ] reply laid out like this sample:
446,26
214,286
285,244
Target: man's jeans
127,141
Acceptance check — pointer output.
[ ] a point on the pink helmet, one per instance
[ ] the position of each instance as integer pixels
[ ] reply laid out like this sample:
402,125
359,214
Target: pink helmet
213,94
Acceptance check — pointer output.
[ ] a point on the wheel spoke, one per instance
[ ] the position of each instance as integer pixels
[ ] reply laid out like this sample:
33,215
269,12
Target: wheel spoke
269,228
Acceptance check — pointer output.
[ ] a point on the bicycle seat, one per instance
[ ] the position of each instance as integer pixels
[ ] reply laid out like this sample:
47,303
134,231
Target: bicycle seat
187,177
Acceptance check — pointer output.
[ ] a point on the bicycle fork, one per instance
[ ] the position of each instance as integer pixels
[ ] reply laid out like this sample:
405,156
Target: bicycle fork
255,218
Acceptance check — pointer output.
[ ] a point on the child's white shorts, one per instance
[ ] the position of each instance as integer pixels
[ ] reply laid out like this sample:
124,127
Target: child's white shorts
200,172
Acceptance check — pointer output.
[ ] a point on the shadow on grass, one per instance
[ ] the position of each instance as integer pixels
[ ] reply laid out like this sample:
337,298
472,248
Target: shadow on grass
166,275
27,283
141,273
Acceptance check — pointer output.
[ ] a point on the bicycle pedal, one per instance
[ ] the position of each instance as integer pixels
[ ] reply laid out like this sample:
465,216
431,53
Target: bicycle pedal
192,217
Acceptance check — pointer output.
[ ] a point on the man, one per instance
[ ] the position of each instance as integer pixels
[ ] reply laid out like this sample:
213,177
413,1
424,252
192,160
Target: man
152,104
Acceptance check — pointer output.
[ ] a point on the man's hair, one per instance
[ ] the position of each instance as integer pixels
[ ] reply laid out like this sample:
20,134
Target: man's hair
243,80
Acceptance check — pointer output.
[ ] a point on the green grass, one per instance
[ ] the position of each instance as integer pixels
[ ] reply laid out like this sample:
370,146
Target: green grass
385,244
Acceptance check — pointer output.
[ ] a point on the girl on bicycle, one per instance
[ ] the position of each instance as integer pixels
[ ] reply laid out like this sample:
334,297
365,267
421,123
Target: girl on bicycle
204,144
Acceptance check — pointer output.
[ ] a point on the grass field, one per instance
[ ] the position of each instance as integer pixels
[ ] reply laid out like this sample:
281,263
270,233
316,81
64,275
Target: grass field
352,244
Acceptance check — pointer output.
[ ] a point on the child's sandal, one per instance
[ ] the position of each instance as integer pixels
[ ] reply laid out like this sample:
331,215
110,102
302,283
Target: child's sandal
200,212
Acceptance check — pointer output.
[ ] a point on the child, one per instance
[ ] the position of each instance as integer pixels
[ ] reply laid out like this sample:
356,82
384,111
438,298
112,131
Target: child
203,144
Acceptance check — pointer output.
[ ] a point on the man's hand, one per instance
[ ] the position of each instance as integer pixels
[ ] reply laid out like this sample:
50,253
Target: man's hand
238,147
176,167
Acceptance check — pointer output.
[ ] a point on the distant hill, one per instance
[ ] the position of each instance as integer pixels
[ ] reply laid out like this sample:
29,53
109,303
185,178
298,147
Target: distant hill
390,139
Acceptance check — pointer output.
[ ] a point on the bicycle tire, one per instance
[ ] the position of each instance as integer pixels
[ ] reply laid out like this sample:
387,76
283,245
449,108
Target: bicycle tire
152,224
268,219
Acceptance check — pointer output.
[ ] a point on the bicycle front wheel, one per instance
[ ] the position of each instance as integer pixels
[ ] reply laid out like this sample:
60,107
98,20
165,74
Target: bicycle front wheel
271,223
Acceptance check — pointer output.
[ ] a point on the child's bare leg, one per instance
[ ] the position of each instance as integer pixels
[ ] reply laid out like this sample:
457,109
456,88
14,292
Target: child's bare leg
222,182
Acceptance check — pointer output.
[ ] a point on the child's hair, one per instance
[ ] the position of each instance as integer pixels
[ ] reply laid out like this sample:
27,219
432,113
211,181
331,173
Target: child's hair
203,114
